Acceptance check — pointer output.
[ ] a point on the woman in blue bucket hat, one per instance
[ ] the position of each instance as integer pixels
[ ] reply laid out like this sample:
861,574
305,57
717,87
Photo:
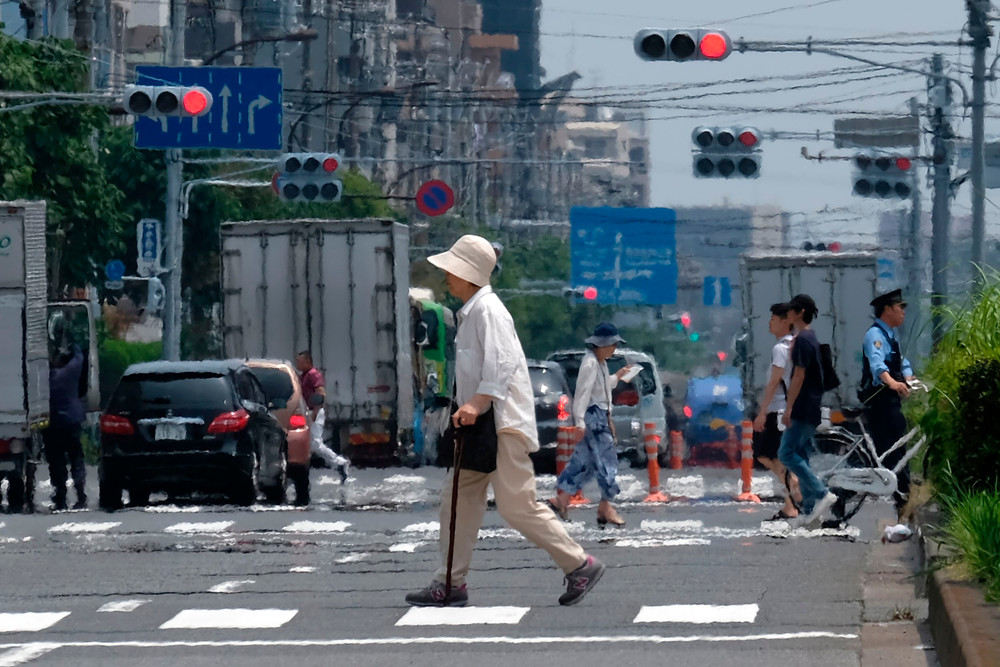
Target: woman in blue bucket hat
594,454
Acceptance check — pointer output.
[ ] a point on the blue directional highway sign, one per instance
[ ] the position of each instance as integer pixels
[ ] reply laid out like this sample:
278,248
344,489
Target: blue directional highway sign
627,254
245,114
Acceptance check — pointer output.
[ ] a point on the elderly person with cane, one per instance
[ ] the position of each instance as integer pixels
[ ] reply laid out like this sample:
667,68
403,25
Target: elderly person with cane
492,382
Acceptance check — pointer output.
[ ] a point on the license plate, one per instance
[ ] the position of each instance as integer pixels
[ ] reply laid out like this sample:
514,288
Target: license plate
6,465
171,432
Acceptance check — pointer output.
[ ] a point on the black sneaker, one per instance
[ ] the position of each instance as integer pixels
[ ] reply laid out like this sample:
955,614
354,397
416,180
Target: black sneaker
434,596
342,469
581,580
81,503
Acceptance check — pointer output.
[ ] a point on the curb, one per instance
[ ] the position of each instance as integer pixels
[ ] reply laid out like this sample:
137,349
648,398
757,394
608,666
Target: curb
966,628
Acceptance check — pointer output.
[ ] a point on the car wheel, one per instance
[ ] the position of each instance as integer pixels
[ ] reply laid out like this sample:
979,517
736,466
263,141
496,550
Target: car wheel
15,493
299,476
109,490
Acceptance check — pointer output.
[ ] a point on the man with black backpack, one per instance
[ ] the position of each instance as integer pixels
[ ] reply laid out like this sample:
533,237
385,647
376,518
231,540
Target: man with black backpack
804,411
884,376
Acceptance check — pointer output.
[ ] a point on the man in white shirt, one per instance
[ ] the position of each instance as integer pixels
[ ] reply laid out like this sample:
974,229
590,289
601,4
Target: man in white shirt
490,369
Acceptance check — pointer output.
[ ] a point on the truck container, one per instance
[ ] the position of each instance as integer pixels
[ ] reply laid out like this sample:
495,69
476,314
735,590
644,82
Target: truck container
24,353
338,288
842,284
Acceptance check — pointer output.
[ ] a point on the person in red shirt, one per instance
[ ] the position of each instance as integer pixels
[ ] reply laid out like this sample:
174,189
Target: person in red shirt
314,394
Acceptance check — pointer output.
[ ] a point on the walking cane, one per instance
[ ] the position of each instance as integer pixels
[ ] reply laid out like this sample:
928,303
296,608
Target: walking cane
457,462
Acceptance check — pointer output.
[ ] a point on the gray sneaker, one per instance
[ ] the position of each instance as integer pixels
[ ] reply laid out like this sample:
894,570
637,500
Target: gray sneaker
434,596
581,580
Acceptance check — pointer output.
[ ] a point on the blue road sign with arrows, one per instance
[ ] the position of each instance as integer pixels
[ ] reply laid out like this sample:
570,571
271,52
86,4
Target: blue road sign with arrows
245,114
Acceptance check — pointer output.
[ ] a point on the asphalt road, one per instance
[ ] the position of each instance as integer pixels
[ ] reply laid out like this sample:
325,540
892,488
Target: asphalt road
701,581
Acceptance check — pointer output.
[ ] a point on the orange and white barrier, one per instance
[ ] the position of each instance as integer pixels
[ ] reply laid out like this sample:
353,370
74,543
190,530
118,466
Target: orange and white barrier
676,450
746,463
652,442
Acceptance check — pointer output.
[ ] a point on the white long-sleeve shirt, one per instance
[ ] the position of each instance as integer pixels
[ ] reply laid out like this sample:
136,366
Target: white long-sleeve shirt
593,387
489,360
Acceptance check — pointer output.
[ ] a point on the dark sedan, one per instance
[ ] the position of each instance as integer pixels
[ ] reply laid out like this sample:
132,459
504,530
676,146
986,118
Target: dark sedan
190,426
553,409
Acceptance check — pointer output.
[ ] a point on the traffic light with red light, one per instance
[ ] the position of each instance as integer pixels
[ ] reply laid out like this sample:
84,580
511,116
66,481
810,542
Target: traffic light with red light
832,246
686,320
161,101
726,152
309,177
883,176
682,45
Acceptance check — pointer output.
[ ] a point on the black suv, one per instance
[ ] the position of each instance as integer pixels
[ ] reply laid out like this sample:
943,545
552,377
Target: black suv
183,426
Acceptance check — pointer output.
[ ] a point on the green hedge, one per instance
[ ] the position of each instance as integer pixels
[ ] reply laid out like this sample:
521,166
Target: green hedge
117,355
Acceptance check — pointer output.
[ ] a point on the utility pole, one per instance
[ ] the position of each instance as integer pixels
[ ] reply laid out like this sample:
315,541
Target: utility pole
979,31
307,16
174,232
939,104
911,246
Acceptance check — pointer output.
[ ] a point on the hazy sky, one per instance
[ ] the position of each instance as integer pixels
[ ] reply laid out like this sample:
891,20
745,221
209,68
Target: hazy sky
594,37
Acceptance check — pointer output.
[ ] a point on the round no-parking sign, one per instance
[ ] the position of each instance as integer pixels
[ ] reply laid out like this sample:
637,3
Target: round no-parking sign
434,198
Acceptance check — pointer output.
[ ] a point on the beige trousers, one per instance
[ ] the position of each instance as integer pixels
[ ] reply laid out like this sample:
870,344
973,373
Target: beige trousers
514,489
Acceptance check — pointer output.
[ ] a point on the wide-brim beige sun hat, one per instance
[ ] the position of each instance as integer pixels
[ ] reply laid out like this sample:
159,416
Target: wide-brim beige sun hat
471,258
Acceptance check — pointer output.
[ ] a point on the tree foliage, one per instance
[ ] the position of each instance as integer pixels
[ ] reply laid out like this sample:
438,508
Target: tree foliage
48,152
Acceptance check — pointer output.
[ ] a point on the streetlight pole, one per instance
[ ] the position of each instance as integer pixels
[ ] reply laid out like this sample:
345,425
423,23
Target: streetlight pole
304,35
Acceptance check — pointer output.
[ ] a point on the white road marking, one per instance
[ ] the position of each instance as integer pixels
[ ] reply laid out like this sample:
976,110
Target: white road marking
404,480
463,616
698,613
84,527
428,527
458,641
30,621
171,509
122,606
405,547
352,558
660,542
230,618
231,586
676,526
303,568
197,528
317,527
26,653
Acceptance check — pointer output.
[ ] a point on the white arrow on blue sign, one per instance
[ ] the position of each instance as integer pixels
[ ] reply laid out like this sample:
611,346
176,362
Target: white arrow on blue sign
245,113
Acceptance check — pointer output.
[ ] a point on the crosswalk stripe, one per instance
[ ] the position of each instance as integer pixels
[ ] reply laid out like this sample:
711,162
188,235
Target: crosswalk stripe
30,621
659,542
463,616
85,527
697,613
230,586
316,527
26,653
239,619
199,528
121,606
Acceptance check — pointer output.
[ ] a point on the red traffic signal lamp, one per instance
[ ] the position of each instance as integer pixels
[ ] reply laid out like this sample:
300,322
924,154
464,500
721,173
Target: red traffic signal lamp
306,177
160,101
682,45
883,176
590,293
832,246
686,319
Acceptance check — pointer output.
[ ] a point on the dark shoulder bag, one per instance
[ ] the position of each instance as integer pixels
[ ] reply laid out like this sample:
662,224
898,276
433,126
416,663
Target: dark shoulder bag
479,443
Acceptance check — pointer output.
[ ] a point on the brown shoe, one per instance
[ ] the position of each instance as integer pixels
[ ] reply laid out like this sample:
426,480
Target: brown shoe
614,518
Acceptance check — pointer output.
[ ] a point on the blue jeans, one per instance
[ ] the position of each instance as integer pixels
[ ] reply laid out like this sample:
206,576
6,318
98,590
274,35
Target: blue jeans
796,445
594,456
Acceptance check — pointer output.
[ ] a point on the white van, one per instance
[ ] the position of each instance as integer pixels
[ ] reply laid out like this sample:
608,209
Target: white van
633,403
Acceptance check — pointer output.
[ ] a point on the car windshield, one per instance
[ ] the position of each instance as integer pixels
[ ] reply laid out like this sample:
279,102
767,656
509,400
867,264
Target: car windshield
137,393
544,381
275,381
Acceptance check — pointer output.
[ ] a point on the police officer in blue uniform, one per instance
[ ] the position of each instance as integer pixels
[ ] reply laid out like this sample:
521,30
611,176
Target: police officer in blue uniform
884,378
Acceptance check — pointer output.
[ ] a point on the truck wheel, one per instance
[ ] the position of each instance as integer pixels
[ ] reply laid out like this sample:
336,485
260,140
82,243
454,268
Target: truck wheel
299,475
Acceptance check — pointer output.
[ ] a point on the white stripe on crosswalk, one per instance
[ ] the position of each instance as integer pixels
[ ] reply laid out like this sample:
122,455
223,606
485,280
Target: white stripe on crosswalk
303,569
463,616
659,542
30,621
198,528
316,527
85,527
231,586
698,613
405,547
26,653
241,619
122,606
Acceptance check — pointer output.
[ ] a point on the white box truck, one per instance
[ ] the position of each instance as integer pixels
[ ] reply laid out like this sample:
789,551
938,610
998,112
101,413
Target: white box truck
24,352
842,284
338,288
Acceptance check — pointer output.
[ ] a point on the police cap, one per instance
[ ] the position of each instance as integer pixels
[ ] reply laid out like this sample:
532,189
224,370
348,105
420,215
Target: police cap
888,299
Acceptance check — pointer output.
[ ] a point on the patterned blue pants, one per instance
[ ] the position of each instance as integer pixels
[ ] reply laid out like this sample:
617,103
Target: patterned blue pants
594,456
